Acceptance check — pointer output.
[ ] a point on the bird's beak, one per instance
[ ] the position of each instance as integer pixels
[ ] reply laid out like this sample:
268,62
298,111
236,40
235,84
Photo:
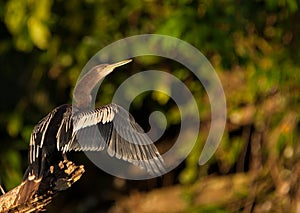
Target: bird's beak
118,64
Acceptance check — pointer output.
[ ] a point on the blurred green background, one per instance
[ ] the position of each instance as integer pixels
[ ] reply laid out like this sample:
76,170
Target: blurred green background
254,47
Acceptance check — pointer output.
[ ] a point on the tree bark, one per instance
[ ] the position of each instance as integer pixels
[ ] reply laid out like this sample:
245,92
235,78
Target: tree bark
63,176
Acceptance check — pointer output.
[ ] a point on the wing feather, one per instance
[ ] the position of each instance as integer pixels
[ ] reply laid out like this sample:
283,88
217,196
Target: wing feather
111,128
41,138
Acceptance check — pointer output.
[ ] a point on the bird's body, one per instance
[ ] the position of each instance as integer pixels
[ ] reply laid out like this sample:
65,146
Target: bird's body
43,144
78,128
109,128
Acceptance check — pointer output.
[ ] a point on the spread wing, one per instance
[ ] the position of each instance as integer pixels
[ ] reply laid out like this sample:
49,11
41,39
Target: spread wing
42,141
113,129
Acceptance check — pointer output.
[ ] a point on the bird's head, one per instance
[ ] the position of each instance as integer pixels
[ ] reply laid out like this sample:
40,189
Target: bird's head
82,92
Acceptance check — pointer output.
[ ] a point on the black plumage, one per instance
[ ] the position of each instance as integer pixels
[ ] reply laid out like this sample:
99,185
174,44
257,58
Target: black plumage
79,128
109,128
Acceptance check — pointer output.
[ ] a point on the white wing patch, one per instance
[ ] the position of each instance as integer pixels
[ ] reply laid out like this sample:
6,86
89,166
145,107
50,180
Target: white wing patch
109,128
91,118
40,128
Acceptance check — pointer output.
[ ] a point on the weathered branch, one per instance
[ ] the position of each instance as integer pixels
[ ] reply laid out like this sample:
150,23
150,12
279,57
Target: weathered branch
59,178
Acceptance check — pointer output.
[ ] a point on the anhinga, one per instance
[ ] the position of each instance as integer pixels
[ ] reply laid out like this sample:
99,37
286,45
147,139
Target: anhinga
63,128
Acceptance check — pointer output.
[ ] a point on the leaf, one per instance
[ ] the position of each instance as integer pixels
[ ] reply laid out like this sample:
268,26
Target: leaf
38,32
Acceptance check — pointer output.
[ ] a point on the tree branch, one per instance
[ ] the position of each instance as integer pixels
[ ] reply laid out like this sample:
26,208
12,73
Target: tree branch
59,178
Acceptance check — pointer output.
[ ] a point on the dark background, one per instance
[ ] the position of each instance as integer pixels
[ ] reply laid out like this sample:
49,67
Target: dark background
253,46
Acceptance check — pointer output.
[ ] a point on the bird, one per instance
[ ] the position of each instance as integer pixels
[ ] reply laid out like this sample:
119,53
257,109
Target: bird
78,127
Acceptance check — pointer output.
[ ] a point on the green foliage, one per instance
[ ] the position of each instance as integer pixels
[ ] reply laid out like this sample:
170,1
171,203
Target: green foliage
11,166
252,45
27,22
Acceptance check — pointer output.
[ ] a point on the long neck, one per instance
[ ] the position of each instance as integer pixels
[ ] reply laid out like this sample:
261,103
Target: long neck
82,92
